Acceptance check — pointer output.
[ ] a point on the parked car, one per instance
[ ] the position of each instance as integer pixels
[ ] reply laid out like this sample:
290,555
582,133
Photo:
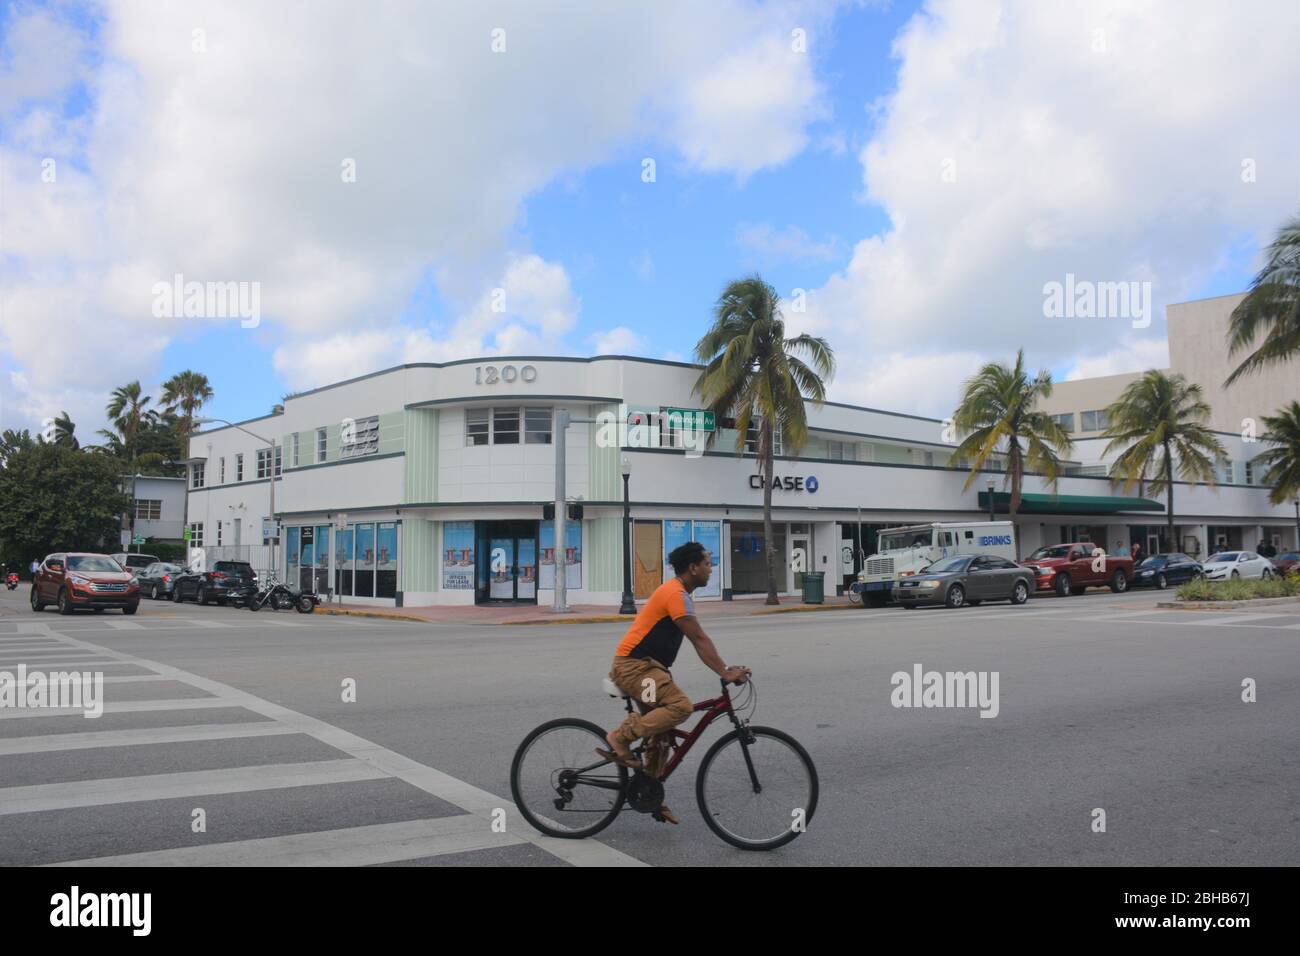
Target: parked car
134,562
228,581
1073,568
1162,570
156,580
1237,564
966,579
1287,562
76,579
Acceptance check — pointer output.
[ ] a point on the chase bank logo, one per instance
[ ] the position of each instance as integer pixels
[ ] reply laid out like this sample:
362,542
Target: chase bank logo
811,484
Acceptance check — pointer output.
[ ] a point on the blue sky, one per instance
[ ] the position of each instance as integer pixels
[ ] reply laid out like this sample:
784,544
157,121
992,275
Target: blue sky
1089,140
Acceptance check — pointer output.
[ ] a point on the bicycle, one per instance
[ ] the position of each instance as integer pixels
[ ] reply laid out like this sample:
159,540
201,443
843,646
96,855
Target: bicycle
756,787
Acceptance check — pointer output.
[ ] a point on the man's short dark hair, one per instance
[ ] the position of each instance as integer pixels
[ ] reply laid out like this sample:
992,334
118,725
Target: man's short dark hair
681,558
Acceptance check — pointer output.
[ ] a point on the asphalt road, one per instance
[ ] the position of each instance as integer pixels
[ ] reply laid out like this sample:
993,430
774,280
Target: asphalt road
1103,702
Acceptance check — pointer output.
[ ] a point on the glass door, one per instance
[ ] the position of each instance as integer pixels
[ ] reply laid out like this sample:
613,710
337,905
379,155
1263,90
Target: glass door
501,569
526,578
800,553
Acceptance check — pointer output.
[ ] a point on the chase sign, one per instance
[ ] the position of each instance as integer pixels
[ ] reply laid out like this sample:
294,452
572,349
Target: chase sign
809,484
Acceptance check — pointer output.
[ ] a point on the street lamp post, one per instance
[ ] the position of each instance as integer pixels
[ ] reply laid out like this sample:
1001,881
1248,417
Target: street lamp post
990,487
629,605
275,530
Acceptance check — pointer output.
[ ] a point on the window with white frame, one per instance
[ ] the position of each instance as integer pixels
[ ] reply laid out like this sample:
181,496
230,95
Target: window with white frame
1065,420
293,456
196,476
537,426
222,469
264,463
239,467
478,426
320,445
505,425
148,509
751,438
359,437
1095,421
278,459
196,534
219,524
841,450
1250,472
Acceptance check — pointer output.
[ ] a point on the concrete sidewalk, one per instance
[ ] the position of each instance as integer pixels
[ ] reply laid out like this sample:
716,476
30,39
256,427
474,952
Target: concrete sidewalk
577,613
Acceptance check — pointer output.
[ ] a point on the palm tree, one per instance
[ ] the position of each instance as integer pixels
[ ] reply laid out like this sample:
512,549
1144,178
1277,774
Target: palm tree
12,441
999,415
64,428
1271,308
751,370
1283,459
1158,419
187,392
128,412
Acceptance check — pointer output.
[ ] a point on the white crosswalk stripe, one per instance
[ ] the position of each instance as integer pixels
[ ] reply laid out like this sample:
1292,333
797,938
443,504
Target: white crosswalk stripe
359,760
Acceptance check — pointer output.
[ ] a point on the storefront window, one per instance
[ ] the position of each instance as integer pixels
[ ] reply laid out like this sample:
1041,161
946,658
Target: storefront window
749,558
386,561
291,538
365,561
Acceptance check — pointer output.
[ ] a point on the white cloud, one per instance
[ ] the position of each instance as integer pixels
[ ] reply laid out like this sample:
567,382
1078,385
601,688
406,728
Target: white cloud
791,244
1141,355
1123,163
225,163
618,341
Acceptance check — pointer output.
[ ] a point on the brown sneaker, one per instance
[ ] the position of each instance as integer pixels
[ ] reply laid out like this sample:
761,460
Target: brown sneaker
664,815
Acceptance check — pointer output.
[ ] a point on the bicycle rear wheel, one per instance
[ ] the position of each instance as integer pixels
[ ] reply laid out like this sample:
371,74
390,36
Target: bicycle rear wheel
561,786
786,796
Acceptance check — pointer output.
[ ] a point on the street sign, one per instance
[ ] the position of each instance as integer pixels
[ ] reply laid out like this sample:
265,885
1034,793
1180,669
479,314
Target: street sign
698,419
138,539
341,521
270,529
186,534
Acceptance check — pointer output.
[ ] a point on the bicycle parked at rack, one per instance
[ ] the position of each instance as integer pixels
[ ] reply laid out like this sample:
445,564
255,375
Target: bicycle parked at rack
756,786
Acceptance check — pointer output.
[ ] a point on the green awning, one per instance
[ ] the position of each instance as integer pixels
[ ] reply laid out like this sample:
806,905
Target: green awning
1032,504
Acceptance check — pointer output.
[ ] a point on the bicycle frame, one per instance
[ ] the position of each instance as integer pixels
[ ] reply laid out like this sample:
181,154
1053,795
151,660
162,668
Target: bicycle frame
712,709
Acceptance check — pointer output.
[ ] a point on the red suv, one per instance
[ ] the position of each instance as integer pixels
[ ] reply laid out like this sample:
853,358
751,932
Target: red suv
74,580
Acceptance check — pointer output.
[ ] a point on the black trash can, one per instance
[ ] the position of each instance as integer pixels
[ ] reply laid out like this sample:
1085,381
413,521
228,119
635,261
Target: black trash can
814,587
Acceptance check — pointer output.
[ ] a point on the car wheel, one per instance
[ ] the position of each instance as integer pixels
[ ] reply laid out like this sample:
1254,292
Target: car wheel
1118,583
955,597
1062,585
153,593
1020,593
910,607
1236,574
130,608
37,604
65,603
202,596
176,594
874,599
1266,574
1162,582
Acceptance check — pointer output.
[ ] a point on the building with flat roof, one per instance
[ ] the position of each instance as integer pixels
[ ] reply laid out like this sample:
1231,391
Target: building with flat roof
426,484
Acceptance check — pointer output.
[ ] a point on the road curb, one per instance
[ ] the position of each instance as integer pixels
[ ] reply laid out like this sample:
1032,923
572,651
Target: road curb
1225,605
391,617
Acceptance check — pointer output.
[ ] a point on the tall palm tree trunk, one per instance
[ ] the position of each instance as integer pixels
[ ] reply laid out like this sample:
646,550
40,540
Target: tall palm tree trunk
770,545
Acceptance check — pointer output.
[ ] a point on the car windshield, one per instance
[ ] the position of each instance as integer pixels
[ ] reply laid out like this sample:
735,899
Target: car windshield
1223,558
92,562
907,539
1055,551
949,565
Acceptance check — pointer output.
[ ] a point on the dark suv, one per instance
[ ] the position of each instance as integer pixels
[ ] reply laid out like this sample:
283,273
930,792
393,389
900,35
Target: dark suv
72,580
228,580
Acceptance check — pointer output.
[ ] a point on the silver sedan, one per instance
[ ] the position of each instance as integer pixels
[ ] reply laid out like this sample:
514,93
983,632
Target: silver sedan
966,579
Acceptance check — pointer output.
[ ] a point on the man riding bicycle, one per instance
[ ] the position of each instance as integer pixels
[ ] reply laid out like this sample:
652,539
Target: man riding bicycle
648,650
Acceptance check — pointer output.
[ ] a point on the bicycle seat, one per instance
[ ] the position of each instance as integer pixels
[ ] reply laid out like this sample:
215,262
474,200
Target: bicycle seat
612,689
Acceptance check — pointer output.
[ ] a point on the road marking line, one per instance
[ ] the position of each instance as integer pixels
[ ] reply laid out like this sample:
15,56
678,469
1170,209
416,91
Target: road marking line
127,707
147,735
41,797
445,787
352,846
125,625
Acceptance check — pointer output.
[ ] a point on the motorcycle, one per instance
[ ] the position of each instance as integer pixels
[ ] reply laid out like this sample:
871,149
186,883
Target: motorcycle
11,581
278,596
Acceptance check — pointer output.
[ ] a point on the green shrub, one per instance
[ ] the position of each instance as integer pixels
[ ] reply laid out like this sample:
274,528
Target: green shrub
1239,590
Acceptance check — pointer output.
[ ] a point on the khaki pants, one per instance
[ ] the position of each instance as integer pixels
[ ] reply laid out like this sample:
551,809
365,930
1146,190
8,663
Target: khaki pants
667,706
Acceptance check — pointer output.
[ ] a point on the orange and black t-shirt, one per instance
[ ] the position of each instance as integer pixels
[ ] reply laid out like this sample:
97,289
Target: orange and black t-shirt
655,633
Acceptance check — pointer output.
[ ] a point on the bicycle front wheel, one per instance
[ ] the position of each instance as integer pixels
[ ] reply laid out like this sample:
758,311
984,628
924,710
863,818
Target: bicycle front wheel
757,791
561,786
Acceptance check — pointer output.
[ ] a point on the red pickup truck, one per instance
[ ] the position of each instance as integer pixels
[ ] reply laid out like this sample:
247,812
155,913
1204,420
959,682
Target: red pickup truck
1073,568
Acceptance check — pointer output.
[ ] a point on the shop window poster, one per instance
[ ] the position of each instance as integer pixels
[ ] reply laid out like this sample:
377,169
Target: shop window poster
458,555
572,556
